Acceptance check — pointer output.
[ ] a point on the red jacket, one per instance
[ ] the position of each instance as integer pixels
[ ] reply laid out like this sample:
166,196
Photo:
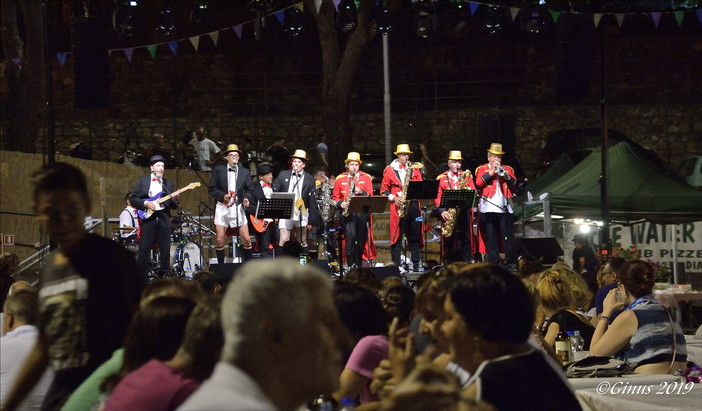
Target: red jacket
392,184
487,185
447,183
341,193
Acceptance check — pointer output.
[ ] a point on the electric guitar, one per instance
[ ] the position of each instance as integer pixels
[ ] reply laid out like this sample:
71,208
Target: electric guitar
260,225
146,214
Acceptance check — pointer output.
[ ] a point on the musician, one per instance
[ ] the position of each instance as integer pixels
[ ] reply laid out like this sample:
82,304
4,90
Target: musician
410,225
353,183
456,179
156,227
229,185
204,147
297,181
495,182
260,191
128,221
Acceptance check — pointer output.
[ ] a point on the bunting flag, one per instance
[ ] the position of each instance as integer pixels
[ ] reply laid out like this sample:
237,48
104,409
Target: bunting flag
61,58
129,52
281,17
195,41
656,17
214,36
555,15
300,6
596,19
513,11
237,30
473,7
620,19
679,16
18,61
173,45
318,4
336,4
152,50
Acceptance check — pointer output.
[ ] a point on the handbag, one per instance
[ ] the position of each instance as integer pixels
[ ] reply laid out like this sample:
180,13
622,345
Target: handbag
598,367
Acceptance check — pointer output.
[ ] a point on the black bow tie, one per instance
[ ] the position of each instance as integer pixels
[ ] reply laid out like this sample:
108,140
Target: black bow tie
232,169
298,175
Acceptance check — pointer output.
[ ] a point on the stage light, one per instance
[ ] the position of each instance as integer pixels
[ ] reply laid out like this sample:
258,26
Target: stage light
166,21
384,21
346,19
294,22
201,17
494,20
424,25
584,228
534,20
125,18
261,5
458,17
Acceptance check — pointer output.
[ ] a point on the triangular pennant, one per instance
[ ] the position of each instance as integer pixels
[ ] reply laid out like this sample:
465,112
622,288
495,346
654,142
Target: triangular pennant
596,19
620,18
195,41
237,30
152,50
61,58
513,11
473,7
679,16
18,61
699,15
656,17
555,15
173,45
129,52
301,6
336,4
357,3
280,16
318,4
215,36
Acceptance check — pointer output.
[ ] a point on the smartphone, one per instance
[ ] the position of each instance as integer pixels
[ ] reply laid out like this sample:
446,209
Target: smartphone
618,297
303,260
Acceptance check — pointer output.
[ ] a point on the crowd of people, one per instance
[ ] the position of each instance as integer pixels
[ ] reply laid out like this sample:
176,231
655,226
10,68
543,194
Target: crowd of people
284,335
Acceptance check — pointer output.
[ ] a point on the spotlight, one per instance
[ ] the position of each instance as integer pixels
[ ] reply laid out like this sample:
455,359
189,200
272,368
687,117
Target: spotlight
424,25
347,16
261,5
200,17
493,20
426,5
125,17
294,24
458,16
166,21
534,21
384,21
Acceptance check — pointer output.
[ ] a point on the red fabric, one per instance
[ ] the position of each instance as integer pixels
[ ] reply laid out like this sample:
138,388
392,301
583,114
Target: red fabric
445,185
488,190
391,184
340,193
155,179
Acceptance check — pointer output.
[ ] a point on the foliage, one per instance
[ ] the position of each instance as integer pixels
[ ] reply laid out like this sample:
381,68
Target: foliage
629,254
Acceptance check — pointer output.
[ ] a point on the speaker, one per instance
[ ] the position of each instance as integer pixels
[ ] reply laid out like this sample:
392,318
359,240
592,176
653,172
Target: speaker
225,271
91,64
547,250
385,272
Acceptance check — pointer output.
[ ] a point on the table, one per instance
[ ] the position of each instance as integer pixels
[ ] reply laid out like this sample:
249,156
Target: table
694,348
682,300
638,379
664,395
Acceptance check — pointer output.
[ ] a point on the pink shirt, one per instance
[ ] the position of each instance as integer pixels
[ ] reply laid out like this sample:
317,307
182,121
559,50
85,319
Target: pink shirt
365,358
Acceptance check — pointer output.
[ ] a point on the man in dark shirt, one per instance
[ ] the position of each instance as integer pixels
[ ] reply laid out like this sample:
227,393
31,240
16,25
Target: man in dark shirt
584,261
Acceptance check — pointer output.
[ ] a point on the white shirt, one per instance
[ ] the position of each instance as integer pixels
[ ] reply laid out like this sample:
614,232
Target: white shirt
14,350
128,218
204,149
155,188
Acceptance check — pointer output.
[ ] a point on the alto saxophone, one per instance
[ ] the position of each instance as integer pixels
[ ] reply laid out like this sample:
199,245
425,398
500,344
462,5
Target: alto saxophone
450,224
402,210
352,192
325,201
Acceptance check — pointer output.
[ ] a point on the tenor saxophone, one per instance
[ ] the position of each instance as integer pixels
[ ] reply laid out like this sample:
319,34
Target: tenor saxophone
352,191
402,210
450,224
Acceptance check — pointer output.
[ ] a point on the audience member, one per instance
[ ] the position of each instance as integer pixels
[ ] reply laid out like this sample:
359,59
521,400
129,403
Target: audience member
281,338
171,382
608,281
644,334
585,262
398,302
209,282
363,315
560,304
529,269
8,265
20,316
90,286
489,315
365,278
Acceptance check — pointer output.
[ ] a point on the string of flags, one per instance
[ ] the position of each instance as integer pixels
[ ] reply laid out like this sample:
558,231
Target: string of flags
473,6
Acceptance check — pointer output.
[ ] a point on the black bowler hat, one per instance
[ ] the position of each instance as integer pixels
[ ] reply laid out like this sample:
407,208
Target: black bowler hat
264,169
156,158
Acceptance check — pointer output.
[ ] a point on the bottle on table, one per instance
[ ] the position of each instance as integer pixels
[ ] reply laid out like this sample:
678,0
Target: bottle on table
347,404
563,346
578,343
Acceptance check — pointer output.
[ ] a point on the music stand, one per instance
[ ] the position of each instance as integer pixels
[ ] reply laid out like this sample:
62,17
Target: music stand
425,191
457,199
280,205
368,204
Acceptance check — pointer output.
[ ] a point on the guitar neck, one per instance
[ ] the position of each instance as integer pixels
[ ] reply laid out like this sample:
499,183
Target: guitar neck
168,197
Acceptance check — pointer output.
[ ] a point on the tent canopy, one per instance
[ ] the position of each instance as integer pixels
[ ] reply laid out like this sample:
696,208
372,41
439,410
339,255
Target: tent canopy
638,189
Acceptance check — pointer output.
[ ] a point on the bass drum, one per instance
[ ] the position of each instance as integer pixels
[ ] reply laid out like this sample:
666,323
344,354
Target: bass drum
187,259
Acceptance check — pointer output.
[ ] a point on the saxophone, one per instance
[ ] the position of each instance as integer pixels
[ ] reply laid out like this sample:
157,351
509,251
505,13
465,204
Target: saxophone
325,201
402,210
449,225
352,192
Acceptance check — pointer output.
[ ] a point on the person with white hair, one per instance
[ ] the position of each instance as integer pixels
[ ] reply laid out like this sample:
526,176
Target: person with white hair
281,340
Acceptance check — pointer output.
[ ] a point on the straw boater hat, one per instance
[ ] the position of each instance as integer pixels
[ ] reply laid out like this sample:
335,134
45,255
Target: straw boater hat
301,154
496,148
155,159
455,155
232,147
403,149
353,156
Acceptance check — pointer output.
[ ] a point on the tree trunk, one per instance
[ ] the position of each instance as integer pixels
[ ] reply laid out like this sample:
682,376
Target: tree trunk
24,80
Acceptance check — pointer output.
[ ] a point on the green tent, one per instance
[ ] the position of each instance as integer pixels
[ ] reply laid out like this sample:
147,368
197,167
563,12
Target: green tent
638,189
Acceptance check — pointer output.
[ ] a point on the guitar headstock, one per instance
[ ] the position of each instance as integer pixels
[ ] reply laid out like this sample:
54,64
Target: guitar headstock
193,185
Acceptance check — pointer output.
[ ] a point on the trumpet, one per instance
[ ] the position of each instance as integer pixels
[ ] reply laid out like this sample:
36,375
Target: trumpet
500,171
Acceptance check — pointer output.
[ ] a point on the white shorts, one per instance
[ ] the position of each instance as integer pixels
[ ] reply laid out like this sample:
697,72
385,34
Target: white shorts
295,222
229,216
